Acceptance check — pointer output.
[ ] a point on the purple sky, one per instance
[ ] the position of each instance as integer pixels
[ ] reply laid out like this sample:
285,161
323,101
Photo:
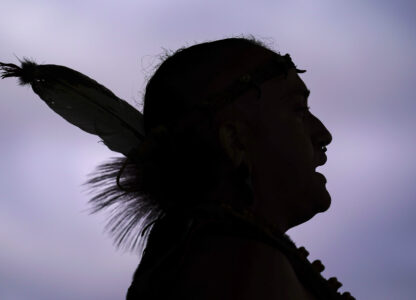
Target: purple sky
362,75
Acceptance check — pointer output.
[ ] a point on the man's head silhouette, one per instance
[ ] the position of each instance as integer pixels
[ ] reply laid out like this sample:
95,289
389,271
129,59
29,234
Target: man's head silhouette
266,130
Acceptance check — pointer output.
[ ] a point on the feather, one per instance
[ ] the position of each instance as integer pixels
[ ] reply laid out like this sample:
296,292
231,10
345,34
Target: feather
95,109
131,210
83,102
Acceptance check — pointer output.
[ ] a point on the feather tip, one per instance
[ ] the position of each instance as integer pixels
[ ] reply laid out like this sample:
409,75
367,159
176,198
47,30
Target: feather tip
26,73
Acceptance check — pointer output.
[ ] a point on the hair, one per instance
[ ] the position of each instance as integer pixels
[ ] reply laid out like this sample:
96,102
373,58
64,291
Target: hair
181,161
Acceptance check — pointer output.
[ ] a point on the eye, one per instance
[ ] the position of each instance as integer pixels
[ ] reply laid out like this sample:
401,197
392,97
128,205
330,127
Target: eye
303,111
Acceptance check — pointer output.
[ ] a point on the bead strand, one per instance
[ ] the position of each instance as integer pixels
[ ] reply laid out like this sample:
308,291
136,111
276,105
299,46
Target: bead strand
271,230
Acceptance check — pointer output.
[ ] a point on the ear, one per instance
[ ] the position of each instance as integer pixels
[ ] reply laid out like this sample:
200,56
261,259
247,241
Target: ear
232,140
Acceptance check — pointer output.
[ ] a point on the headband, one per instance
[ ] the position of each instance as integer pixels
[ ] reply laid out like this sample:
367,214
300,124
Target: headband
95,109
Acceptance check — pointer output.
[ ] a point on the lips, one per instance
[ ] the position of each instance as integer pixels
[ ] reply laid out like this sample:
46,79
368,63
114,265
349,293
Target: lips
320,159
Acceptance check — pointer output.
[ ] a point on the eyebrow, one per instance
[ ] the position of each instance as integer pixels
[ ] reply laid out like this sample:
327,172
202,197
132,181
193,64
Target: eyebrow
305,92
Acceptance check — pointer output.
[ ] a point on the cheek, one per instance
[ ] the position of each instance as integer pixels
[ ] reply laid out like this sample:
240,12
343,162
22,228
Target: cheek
282,148
288,148
283,164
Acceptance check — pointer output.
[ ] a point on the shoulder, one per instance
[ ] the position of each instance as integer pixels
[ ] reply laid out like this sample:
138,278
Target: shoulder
228,267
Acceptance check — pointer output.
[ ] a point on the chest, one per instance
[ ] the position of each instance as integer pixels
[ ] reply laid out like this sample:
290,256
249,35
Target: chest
236,268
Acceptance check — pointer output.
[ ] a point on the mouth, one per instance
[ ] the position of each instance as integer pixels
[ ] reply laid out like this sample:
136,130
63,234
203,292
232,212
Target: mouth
321,159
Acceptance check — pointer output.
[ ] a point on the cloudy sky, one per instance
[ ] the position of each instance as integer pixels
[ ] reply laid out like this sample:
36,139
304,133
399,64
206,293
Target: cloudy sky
362,76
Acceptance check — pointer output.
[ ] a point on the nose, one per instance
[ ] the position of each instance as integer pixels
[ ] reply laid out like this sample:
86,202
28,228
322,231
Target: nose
320,134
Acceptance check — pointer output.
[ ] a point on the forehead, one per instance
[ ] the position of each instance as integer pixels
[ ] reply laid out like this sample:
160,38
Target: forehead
271,86
282,86
268,71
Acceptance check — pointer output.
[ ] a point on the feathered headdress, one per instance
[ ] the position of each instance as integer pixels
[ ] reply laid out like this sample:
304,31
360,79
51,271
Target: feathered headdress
95,109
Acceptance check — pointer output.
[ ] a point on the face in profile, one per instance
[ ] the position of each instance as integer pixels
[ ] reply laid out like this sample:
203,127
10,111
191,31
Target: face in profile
284,153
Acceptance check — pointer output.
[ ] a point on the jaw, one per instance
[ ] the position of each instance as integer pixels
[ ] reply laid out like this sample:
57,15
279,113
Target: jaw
316,200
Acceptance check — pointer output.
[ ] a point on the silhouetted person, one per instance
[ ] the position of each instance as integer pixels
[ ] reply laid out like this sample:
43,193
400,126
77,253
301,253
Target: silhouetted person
225,166
260,134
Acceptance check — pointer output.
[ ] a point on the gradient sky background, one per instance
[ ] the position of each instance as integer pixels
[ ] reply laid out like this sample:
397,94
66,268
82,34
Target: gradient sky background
361,72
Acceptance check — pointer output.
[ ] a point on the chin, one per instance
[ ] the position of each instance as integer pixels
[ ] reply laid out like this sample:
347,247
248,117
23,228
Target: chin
323,202
317,204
